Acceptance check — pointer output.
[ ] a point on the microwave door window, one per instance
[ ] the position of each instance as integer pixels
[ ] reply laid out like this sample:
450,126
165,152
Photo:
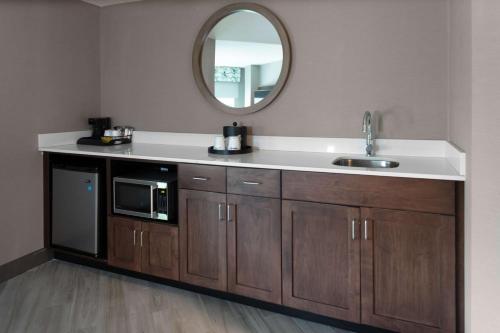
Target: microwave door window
133,197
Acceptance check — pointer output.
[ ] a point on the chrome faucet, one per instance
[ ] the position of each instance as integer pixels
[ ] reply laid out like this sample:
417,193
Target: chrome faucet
367,128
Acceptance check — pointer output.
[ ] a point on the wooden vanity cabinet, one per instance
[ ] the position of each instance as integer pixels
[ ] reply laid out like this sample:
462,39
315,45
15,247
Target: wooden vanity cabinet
231,242
146,247
401,253
160,250
378,251
254,247
254,233
407,271
308,241
202,227
321,259
123,248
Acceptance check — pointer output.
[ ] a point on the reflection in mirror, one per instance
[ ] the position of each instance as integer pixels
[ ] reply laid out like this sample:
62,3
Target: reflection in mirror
242,59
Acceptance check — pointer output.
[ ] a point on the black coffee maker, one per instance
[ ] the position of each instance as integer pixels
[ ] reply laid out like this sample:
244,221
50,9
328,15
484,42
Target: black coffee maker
234,130
99,126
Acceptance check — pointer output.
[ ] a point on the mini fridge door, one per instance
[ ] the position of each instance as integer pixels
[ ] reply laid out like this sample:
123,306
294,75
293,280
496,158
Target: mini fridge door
75,210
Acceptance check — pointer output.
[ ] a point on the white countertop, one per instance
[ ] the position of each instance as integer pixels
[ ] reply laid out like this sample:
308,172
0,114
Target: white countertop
410,166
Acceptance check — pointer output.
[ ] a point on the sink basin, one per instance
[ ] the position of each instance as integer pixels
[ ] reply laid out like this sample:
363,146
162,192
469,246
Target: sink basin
365,163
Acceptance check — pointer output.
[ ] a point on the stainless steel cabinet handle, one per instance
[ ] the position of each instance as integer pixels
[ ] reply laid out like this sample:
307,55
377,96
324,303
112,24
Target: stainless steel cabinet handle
221,212
354,229
142,232
135,233
203,179
366,229
250,183
229,217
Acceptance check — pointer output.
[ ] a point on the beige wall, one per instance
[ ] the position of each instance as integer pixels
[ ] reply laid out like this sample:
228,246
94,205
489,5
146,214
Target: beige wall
348,56
485,183
474,121
460,73
49,81
460,119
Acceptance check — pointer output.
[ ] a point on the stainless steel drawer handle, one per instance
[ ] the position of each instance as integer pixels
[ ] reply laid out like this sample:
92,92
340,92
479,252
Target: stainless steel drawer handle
142,232
135,233
354,222
229,217
203,179
221,212
366,229
251,183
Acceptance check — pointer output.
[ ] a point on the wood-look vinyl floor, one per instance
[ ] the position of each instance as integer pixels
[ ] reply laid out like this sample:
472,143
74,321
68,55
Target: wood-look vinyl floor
59,297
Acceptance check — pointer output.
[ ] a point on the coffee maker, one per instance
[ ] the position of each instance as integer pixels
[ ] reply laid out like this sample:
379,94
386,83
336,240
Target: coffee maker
104,135
99,126
234,131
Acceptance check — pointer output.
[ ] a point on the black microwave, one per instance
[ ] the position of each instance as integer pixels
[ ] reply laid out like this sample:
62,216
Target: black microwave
146,198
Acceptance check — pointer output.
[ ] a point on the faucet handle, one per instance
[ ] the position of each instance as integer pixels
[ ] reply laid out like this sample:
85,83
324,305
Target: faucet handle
369,149
367,121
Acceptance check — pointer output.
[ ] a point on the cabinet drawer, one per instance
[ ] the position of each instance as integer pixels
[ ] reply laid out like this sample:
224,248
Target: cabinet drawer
423,195
256,182
202,177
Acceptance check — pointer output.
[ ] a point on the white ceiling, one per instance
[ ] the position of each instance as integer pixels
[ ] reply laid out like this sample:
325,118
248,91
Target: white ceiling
103,3
242,54
246,38
245,26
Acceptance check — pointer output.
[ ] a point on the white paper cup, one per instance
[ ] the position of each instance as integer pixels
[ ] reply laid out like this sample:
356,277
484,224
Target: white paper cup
234,143
219,143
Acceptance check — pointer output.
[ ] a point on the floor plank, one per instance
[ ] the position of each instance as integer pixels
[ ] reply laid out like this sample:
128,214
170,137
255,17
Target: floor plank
60,297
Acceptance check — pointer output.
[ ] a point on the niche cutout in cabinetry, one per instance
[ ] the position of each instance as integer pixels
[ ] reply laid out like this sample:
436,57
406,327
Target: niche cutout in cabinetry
143,190
75,204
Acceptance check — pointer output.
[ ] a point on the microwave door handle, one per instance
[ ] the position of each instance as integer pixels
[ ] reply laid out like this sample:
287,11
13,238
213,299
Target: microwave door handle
153,188
114,195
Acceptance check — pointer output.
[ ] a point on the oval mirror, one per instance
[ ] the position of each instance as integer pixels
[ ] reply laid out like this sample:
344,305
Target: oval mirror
241,58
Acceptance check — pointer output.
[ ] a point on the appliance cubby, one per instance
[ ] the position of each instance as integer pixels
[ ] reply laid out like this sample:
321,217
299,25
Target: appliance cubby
75,163
138,169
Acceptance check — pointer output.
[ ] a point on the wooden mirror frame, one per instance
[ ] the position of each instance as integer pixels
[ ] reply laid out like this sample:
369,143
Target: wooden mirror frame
198,50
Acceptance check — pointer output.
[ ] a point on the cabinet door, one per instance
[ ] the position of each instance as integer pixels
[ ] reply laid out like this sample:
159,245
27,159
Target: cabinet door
160,250
321,259
408,279
202,227
123,243
254,247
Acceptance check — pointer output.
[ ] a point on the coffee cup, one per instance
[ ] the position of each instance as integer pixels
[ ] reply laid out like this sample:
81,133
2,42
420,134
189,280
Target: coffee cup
234,142
219,143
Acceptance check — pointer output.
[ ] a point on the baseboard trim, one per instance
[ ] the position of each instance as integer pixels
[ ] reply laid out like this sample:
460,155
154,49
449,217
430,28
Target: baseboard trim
25,263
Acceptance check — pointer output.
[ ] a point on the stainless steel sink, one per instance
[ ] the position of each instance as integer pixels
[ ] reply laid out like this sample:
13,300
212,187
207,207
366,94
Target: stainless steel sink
365,163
